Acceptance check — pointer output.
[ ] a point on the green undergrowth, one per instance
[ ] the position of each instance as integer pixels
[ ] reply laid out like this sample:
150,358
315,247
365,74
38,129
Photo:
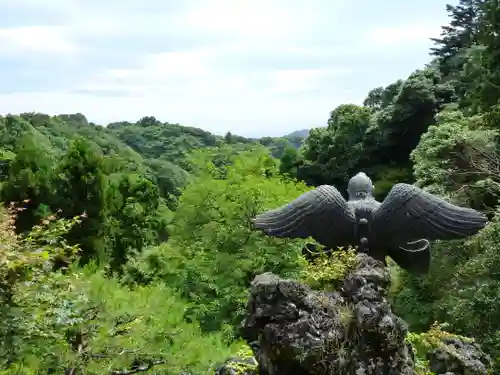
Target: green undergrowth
96,325
327,271
434,338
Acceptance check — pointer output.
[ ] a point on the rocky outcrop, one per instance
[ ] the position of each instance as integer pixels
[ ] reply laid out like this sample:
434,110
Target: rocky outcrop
294,330
458,357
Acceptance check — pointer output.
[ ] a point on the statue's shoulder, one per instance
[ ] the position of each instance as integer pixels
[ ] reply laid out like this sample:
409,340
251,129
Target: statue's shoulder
372,202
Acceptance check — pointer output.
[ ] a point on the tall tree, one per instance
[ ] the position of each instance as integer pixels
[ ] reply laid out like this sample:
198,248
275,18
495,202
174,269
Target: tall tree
134,218
29,179
81,189
460,34
490,38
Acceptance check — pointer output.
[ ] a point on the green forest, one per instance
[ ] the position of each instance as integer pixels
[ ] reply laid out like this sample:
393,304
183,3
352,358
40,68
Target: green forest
128,248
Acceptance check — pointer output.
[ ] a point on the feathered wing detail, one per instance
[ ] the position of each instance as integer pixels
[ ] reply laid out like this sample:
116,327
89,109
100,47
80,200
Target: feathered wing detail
322,214
408,214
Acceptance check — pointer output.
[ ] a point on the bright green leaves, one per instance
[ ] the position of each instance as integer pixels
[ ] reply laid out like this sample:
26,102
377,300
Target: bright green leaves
213,232
213,253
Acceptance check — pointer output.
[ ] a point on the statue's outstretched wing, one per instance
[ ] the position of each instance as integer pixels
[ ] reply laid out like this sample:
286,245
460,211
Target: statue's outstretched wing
408,213
322,214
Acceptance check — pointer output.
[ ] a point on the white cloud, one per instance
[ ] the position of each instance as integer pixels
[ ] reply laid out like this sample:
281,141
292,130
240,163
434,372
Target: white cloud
293,80
163,68
257,20
96,25
168,64
174,72
53,5
97,18
196,73
35,39
405,34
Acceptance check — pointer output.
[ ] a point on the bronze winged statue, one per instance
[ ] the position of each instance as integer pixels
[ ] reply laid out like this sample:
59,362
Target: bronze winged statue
400,227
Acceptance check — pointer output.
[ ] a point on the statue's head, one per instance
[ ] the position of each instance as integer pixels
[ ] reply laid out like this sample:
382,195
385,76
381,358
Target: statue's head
360,186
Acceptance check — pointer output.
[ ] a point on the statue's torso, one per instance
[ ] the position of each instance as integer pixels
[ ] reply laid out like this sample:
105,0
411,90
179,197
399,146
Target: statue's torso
364,210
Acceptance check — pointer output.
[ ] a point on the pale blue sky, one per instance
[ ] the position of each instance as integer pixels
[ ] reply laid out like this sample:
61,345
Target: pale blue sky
252,67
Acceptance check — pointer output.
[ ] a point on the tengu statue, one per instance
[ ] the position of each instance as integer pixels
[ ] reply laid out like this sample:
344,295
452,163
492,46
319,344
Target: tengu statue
400,227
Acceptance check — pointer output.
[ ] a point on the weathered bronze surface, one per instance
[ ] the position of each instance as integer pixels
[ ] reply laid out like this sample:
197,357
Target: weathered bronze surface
400,227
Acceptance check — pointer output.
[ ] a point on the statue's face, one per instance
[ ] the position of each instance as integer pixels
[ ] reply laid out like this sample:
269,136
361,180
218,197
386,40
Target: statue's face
360,183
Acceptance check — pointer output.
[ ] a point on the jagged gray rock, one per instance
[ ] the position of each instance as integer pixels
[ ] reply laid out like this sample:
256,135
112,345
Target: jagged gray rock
238,366
459,357
296,330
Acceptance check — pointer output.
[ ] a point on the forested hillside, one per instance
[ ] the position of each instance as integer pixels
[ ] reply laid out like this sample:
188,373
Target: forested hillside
129,248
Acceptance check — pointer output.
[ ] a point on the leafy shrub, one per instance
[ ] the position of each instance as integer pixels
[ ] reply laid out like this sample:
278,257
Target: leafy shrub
327,271
26,261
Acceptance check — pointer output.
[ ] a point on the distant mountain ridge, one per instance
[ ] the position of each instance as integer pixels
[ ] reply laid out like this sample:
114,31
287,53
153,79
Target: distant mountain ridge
302,133
147,138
